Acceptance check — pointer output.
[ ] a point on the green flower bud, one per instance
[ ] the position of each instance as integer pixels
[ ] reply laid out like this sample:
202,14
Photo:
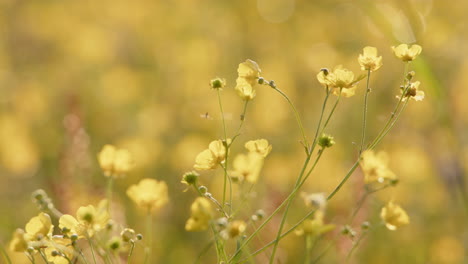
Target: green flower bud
326,141
218,83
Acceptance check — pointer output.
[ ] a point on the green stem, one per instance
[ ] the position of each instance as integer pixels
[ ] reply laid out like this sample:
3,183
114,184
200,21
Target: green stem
364,118
91,246
131,252
110,184
30,257
41,252
226,152
344,180
204,251
314,143
296,114
308,240
149,234
355,245
5,254
331,113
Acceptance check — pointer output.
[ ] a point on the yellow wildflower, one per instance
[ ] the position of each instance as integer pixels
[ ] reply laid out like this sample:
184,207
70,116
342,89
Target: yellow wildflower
247,167
369,60
115,162
406,53
58,250
89,220
18,242
340,80
234,229
149,194
375,167
394,216
211,157
413,92
201,214
315,226
248,74
39,227
261,146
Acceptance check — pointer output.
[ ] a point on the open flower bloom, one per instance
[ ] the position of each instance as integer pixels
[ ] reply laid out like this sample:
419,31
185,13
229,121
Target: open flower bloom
18,243
375,167
62,246
201,214
339,80
369,59
248,73
211,157
233,229
88,221
405,53
261,146
247,167
413,92
394,216
315,226
115,162
149,194
39,227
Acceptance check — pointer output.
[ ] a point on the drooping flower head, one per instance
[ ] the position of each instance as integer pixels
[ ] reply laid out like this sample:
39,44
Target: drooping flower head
394,216
149,194
369,59
406,53
248,74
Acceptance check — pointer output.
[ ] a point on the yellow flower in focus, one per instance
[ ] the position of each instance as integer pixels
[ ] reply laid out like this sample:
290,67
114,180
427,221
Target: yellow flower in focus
201,214
369,59
247,167
261,146
149,194
39,227
406,53
394,216
115,162
18,242
315,226
340,80
375,167
88,221
413,92
234,229
211,157
248,74
244,89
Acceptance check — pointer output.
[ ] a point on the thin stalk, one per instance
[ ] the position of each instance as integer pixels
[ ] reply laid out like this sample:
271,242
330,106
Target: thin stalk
131,252
41,252
226,150
355,245
296,114
364,118
314,143
377,141
344,180
91,247
331,112
30,257
309,245
149,233
204,251
5,254
110,184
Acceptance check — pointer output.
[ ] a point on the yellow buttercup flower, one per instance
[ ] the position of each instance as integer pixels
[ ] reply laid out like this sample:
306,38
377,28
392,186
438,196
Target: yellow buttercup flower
211,157
413,92
248,74
88,221
39,227
149,194
369,59
247,167
18,243
394,216
406,53
201,214
340,80
58,250
115,162
375,167
261,146
234,229
314,226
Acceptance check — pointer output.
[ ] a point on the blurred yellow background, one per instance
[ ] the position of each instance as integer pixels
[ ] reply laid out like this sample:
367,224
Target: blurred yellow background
75,75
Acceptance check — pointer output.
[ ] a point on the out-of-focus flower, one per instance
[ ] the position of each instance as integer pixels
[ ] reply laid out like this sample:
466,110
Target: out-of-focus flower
375,167
218,83
190,178
128,234
340,80
248,74
316,201
261,146
369,59
233,229
247,167
115,162
18,243
406,53
201,214
58,250
315,226
413,92
149,194
326,141
211,157
88,221
394,216
39,227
